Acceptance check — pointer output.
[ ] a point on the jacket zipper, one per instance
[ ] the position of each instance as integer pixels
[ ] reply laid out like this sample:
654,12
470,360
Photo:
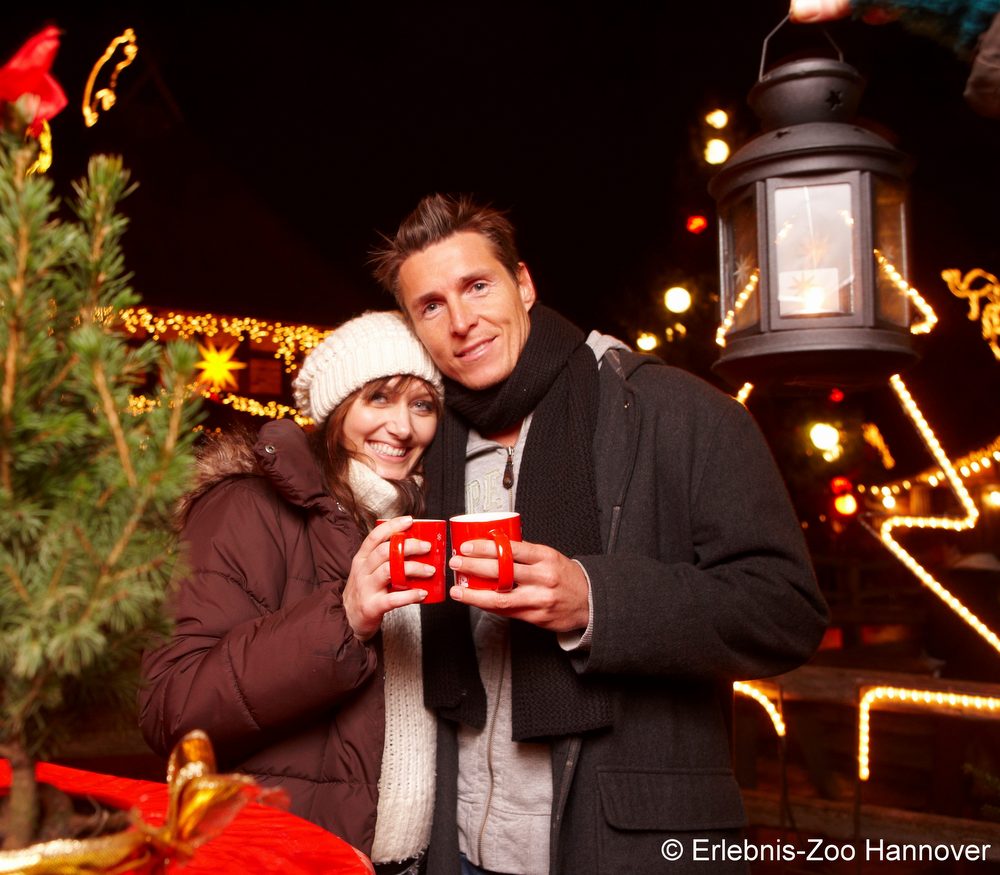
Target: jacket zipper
489,754
508,469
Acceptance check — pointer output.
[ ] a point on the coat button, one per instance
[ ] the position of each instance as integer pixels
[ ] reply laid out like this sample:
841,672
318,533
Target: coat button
269,448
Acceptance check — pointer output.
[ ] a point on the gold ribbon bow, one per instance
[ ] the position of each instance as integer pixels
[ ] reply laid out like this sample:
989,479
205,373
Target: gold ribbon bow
201,805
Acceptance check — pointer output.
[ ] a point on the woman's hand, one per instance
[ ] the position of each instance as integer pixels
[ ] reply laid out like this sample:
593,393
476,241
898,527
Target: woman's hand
366,594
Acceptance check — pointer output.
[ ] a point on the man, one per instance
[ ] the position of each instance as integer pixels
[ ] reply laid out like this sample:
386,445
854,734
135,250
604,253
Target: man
584,714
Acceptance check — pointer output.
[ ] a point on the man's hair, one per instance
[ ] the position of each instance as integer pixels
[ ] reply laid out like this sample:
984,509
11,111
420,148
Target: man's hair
436,218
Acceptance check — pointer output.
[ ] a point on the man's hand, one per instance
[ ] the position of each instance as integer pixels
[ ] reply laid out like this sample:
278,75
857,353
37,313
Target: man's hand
551,590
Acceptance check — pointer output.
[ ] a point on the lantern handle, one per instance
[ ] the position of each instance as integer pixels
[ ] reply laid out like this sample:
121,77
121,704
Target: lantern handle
781,24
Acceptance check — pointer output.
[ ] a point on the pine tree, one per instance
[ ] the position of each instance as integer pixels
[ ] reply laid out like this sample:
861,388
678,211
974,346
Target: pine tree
86,488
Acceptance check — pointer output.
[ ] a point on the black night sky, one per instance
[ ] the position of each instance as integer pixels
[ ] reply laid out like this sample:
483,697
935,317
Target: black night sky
273,145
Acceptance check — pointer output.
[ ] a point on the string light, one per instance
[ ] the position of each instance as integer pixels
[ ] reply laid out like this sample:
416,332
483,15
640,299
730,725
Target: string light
948,523
290,342
930,317
751,692
106,96
272,409
740,303
984,457
932,699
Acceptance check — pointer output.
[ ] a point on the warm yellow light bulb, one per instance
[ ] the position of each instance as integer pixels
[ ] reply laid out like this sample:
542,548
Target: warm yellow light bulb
677,299
717,118
716,151
824,436
846,505
992,498
647,342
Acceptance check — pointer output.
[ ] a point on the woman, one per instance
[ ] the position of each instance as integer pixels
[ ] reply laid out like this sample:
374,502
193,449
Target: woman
275,653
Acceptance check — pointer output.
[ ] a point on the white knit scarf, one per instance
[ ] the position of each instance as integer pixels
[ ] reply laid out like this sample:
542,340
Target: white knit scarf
406,782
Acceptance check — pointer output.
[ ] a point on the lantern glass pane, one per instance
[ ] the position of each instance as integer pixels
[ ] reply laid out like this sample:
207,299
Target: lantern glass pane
891,304
742,299
814,247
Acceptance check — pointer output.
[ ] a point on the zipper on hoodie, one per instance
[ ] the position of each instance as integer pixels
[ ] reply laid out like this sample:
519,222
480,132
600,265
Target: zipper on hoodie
489,754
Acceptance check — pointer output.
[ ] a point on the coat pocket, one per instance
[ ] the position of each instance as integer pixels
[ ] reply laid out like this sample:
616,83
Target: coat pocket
682,800
668,820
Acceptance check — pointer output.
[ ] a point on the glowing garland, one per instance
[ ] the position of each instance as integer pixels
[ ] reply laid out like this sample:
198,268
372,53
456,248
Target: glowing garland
290,341
930,317
751,692
741,300
917,698
140,404
887,526
967,466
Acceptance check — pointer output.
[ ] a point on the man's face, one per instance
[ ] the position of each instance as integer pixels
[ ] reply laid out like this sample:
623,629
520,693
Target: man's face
467,310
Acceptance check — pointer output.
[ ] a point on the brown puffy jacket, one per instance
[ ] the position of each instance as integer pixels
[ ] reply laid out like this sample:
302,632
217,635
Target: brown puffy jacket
262,657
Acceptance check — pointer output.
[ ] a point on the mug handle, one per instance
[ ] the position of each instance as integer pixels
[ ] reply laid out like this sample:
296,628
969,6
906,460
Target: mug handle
397,570
505,577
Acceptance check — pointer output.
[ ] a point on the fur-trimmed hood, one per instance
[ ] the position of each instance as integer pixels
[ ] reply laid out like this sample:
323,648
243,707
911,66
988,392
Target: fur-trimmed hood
223,455
279,452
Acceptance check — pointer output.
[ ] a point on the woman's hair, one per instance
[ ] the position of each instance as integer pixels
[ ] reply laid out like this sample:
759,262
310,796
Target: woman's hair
335,458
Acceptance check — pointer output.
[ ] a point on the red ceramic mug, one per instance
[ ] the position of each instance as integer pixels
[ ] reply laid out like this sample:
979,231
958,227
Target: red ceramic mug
501,528
432,531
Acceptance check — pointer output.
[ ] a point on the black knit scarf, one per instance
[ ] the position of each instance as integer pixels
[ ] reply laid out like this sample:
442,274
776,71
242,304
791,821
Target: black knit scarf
556,377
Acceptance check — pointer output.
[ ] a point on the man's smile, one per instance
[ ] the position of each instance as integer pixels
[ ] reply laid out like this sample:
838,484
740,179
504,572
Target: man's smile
474,350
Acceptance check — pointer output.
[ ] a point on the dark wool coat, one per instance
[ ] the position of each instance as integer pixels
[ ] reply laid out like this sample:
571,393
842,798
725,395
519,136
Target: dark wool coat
705,580
263,658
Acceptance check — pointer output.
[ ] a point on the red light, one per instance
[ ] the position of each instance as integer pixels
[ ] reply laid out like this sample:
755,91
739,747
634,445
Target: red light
835,396
841,486
696,224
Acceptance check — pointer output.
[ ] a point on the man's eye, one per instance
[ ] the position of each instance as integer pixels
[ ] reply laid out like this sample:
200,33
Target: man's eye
480,286
430,308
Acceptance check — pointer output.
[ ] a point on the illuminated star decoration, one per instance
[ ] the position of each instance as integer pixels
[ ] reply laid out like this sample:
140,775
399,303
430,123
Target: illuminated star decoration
106,96
217,366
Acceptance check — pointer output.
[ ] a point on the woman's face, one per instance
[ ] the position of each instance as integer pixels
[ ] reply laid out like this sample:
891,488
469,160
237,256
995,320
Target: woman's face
391,426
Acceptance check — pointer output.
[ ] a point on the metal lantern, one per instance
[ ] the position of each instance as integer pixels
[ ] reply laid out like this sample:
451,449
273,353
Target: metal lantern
813,248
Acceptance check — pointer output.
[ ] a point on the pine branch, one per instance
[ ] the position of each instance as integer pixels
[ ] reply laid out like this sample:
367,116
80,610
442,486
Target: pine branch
19,586
57,380
114,423
57,574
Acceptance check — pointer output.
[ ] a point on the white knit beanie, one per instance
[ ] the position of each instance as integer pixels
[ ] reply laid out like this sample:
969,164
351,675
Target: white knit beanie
369,347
